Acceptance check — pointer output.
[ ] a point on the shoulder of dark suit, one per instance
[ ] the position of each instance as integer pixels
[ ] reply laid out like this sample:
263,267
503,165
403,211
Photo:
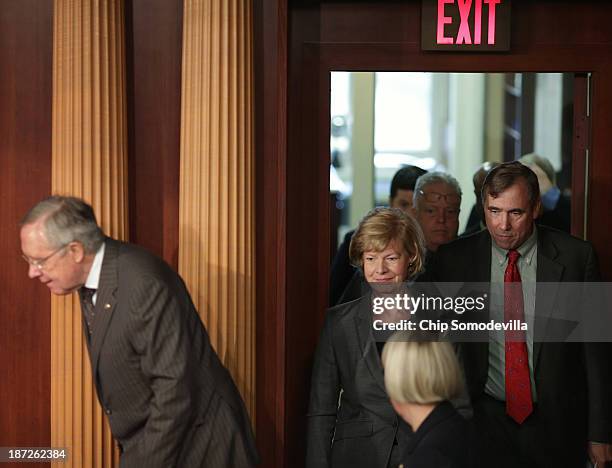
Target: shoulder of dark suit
138,261
464,244
549,234
467,244
349,309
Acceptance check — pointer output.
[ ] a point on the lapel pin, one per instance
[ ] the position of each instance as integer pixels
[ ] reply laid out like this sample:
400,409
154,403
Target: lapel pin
107,306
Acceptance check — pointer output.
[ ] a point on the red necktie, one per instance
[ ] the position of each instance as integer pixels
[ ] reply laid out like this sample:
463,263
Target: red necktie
518,386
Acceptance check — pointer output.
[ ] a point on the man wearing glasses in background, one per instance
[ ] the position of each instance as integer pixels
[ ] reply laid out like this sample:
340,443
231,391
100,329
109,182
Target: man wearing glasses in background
436,205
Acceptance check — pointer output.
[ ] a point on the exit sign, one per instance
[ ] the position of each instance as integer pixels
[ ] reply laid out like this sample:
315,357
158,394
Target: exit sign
465,25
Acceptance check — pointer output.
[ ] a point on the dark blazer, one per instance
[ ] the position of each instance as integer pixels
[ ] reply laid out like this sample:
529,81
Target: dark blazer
169,400
443,440
572,380
351,422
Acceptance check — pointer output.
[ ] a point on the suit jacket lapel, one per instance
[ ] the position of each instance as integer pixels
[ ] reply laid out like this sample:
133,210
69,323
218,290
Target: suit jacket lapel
105,301
85,332
482,274
482,269
367,345
548,271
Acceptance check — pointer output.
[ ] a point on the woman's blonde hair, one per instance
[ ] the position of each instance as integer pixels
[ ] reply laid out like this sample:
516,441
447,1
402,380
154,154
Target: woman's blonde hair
420,371
380,227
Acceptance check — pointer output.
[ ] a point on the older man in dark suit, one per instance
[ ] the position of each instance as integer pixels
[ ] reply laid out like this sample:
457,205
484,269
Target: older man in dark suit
169,400
536,404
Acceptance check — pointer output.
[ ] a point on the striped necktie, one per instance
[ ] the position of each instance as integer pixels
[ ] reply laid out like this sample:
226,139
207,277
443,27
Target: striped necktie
87,306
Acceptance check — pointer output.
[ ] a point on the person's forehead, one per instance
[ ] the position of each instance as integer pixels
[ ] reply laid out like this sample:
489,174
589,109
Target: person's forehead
393,246
517,193
33,235
439,187
440,204
404,193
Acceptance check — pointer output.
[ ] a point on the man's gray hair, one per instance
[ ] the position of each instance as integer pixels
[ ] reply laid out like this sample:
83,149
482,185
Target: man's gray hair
67,219
543,163
433,178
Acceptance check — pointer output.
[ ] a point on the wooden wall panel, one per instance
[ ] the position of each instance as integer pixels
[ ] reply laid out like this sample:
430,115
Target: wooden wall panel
153,53
26,40
90,161
599,219
270,59
217,217
307,248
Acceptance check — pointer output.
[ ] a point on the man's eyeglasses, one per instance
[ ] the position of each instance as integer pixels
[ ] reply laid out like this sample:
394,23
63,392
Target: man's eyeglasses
40,263
434,197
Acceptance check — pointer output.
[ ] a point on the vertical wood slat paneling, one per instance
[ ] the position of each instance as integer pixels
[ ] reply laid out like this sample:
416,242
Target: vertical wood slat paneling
89,159
216,208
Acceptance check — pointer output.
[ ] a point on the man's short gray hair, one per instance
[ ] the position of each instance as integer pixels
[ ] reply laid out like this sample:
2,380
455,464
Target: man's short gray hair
67,219
543,163
433,178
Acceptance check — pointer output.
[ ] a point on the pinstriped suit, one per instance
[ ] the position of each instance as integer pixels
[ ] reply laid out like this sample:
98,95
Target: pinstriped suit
169,400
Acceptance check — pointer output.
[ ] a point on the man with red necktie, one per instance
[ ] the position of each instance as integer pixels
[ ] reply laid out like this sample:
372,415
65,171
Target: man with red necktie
536,404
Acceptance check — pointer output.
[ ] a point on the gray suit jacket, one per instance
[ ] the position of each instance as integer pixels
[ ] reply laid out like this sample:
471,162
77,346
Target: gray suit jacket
350,419
169,400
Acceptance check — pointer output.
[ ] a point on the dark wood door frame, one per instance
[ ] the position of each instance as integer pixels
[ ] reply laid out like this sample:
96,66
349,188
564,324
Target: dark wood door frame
270,58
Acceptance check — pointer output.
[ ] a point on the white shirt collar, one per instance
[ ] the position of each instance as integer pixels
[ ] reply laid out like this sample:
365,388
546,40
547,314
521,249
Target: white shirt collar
93,279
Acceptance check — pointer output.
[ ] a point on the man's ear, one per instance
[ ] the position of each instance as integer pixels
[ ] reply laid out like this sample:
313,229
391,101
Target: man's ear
77,251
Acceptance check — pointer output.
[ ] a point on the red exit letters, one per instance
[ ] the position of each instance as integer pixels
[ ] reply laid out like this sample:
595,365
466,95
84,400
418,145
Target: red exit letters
464,34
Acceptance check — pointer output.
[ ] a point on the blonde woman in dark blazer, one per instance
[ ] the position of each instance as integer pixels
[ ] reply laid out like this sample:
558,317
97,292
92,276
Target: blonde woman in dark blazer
421,376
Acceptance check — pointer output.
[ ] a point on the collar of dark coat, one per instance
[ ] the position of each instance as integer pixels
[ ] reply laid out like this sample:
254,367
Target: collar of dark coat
367,345
108,273
363,322
440,413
